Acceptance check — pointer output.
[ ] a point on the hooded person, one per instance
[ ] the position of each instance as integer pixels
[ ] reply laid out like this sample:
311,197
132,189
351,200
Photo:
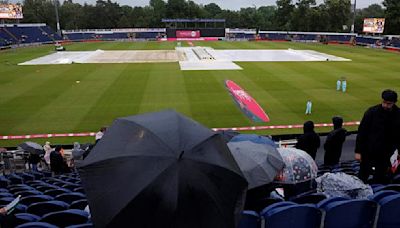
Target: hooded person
378,137
309,141
334,142
77,152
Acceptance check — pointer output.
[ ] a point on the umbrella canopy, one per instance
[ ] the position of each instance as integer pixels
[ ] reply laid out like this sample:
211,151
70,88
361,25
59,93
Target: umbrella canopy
227,135
31,147
162,170
259,162
344,185
299,166
254,138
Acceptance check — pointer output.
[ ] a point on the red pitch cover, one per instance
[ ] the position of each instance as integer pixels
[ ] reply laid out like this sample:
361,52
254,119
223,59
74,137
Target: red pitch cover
246,103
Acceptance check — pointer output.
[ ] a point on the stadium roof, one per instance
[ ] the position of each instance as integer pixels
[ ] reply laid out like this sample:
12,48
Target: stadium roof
166,20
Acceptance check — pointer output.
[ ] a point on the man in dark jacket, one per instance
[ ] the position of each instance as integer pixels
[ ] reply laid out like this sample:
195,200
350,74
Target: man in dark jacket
334,142
309,141
378,137
57,162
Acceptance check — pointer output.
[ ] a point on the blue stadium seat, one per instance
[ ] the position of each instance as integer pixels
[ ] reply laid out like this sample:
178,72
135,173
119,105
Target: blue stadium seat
381,194
46,207
4,182
6,194
350,213
28,200
66,218
277,205
3,190
79,204
6,200
56,192
44,188
28,193
15,179
324,202
16,189
37,225
389,212
27,176
298,216
313,198
86,225
394,187
70,197
21,218
249,219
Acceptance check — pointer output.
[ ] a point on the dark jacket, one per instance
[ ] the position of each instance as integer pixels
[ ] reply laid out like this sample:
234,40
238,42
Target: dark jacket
57,163
334,143
378,134
309,141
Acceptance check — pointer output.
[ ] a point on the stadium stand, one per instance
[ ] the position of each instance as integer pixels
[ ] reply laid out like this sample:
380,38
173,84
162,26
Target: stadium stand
65,209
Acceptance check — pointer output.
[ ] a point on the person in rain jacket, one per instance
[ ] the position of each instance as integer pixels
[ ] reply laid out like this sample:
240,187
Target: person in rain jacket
378,137
309,141
334,142
57,162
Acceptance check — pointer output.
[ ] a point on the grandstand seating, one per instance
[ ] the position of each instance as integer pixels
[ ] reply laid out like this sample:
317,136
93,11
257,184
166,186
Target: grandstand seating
338,213
54,205
388,212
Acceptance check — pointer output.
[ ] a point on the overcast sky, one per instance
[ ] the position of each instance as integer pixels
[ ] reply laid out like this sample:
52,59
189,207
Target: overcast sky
225,4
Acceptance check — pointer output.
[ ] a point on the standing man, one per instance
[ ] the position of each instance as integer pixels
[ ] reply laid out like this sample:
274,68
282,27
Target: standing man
308,107
344,85
338,84
378,137
334,142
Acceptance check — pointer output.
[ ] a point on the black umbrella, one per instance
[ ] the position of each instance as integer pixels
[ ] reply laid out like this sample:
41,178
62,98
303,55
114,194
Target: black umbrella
162,170
32,148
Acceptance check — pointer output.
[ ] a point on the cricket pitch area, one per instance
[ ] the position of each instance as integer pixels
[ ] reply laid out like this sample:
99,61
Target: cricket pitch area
189,58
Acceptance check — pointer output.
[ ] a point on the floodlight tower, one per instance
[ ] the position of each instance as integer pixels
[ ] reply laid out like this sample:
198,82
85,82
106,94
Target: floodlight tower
354,16
57,19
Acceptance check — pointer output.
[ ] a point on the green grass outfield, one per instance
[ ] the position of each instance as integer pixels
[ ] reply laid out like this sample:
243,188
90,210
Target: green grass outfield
47,99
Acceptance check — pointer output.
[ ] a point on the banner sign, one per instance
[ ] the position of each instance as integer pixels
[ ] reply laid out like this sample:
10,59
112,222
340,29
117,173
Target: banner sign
187,34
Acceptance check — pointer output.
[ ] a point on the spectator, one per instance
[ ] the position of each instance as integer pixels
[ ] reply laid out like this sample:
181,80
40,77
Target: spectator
57,162
100,134
334,142
77,154
378,137
33,160
47,149
309,141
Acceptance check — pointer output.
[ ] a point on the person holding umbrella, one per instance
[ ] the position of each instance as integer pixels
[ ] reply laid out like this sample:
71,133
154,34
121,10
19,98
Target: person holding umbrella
162,169
34,151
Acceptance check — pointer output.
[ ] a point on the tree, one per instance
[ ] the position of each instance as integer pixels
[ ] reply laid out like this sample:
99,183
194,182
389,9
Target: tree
70,15
267,14
176,9
212,10
392,15
301,16
284,14
339,14
159,12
